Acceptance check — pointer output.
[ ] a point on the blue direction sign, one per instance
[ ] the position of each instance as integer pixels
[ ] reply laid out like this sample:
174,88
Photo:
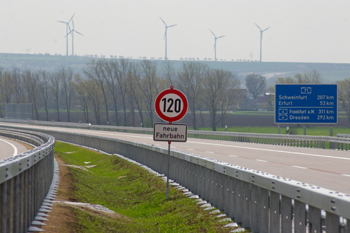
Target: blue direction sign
306,103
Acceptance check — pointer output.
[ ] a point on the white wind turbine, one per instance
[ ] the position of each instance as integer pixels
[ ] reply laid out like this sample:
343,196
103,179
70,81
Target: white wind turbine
261,35
72,32
166,36
215,43
67,31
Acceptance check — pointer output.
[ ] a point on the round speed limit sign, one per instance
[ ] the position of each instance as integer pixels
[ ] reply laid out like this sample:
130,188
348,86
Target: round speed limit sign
171,105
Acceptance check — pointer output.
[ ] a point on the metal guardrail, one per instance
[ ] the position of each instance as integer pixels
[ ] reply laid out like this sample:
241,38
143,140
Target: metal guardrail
341,143
254,199
25,180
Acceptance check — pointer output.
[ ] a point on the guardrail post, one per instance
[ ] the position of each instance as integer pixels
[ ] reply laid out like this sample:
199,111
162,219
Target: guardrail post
274,212
332,222
239,201
255,210
246,205
10,199
315,221
264,211
299,216
232,199
286,214
4,207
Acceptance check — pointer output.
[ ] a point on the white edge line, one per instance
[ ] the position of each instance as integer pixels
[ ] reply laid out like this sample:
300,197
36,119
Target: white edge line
299,167
13,146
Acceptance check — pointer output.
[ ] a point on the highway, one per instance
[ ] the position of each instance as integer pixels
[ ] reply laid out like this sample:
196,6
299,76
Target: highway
9,148
325,168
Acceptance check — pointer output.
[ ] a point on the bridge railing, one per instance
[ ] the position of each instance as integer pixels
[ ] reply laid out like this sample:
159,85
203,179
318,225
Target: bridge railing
257,200
273,139
25,180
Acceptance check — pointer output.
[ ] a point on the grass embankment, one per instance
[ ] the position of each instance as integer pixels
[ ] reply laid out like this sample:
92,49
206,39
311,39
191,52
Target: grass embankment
134,193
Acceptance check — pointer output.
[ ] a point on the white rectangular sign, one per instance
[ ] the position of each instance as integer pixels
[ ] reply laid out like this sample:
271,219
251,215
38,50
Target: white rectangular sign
170,132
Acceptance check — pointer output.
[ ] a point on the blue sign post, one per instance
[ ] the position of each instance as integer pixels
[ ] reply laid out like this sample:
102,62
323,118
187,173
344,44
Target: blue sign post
306,104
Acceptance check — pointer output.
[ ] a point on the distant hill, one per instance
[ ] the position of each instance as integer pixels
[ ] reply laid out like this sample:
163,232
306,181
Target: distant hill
331,72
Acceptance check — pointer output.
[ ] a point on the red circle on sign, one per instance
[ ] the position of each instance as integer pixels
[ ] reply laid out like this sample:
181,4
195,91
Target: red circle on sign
159,111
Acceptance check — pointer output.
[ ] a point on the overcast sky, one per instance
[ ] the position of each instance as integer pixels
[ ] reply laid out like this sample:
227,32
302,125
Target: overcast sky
301,30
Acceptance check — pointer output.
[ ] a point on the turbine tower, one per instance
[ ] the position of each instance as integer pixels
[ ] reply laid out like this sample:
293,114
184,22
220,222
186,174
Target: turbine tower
261,34
166,36
67,31
215,43
72,32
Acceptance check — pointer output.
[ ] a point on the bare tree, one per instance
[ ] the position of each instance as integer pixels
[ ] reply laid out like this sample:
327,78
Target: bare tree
31,84
168,72
95,71
7,86
44,87
121,70
149,85
19,91
189,80
134,91
344,95
65,76
55,89
83,95
219,93
256,85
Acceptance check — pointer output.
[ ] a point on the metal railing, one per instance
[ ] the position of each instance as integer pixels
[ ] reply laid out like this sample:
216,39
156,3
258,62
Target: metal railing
324,142
254,199
25,180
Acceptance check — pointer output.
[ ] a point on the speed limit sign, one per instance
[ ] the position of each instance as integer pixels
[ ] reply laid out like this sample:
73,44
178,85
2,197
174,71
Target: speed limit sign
171,105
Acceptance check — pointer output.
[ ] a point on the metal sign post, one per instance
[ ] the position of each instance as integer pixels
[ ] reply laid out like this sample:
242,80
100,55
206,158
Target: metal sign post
170,105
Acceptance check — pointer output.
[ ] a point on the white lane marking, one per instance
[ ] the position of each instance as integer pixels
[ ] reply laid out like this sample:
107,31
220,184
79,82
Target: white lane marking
13,146
189,149
232,156
299,167
210,152
259,160
242,147
345,175
269,150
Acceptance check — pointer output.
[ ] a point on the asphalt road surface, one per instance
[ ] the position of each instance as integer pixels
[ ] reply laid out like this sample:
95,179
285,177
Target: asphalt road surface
325,168
9,148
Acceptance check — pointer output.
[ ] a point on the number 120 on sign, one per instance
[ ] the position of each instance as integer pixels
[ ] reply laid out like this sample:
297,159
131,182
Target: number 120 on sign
171,105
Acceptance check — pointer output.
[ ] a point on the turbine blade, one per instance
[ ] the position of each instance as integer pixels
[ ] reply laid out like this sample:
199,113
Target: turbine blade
258,26
163,21
212,32
221,36
172,25
73,24
266,29
78,32
71,18
62,22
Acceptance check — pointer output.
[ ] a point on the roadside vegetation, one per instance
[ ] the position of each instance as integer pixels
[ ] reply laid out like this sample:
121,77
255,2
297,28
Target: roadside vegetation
120,91
137,196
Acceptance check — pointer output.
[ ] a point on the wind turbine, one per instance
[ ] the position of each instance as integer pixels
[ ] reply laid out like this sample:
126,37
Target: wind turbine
261,34
215,43
72,32
67,31
166,36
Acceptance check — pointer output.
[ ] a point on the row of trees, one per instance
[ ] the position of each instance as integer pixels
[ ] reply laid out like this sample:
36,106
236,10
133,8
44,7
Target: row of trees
122,88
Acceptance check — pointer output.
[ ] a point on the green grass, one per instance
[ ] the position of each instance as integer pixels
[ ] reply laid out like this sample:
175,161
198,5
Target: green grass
133,192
